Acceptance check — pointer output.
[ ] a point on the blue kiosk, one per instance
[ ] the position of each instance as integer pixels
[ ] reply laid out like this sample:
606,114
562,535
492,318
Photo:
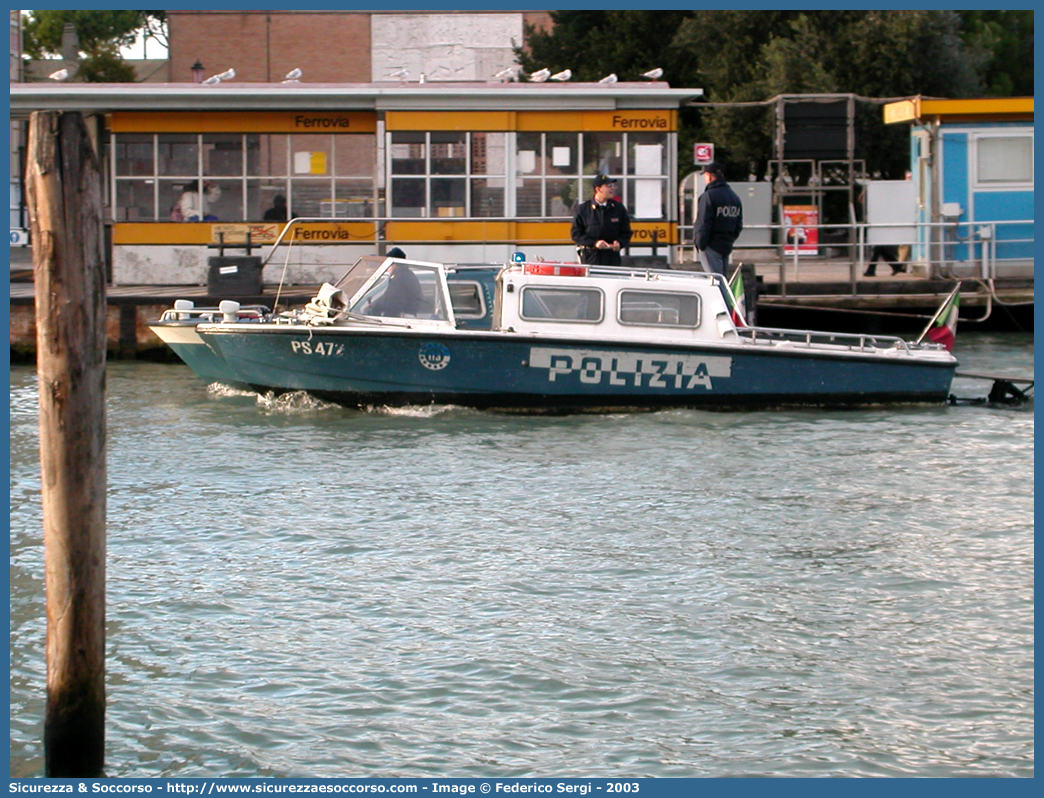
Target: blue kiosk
972,165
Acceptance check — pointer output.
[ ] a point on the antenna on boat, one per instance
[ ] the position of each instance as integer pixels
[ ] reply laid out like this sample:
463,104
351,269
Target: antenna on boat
286,262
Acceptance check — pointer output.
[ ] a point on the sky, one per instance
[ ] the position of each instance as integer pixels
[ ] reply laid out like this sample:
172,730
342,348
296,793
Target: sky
138,50
154,49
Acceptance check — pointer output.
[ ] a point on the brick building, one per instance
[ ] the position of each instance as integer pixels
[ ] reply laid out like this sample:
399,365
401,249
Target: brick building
347,46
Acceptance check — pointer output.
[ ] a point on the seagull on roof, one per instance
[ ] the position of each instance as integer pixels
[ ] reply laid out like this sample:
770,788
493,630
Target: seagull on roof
653,74
293,74
508,73
402,74
228,74
565,74
213,80
61,74
610,78
540,75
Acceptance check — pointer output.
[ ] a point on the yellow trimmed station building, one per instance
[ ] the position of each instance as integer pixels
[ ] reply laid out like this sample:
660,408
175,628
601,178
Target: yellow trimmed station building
456,172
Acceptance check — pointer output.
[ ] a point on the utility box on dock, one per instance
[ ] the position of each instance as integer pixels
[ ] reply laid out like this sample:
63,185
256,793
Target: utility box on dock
234,276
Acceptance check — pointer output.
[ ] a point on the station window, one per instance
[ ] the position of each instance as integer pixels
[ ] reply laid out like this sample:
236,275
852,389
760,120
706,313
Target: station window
548,167
241,174
135,155
554,171
446,174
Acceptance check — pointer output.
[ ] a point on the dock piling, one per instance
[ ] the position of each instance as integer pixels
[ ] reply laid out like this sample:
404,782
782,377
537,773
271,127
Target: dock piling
63,184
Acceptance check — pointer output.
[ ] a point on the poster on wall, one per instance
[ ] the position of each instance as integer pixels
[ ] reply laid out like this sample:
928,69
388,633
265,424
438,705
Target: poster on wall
802,226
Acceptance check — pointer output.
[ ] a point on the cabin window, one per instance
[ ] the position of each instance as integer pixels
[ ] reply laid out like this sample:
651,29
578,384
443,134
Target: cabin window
561,304
659,309
1004,160
467,300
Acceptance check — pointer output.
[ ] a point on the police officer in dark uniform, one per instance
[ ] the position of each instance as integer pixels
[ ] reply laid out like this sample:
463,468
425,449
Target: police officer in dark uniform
403,295
601,227
719,220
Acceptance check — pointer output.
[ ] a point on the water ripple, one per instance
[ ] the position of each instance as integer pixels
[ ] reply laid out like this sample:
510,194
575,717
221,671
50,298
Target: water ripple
303,590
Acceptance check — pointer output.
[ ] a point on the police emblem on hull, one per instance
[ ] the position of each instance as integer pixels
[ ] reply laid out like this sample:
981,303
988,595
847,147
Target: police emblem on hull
434,356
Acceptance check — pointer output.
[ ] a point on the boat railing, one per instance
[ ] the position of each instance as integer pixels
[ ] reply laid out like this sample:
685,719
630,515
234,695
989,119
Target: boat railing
630,271
184,310
860,342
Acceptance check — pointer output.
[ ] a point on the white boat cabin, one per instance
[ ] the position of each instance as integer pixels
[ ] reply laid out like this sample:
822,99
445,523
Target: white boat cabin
536,298
586,301
563,300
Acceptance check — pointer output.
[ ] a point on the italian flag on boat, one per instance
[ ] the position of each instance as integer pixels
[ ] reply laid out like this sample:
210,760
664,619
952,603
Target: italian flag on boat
739,299
942,329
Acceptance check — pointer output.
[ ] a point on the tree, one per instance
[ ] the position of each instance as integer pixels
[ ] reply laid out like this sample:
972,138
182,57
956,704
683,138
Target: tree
753,56
106,65
102,34
1005,41
595,43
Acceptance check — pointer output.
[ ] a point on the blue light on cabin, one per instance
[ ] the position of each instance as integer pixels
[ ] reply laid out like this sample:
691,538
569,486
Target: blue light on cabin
518,257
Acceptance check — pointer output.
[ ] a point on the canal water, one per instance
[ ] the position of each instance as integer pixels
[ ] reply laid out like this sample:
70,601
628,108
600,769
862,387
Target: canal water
299,590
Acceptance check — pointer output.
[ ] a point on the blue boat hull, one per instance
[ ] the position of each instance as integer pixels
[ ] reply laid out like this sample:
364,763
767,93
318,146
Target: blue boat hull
205,362
362,368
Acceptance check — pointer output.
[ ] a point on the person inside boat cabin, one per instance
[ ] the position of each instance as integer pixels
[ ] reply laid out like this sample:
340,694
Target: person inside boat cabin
601,227
403,294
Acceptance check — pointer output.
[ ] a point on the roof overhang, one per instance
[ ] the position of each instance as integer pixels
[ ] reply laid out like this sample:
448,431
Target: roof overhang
433,96
998,109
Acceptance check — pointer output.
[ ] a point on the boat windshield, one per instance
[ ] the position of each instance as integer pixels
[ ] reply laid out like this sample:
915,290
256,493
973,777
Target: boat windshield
405,290
359,273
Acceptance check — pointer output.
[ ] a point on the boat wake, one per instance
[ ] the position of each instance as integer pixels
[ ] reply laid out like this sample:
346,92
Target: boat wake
221,391
414,411
293,403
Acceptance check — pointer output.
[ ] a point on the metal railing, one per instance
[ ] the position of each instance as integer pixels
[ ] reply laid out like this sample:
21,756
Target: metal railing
946,250
856,342
942,249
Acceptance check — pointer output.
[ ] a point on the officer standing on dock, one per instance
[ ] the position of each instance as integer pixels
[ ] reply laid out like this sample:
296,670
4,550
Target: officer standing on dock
601,226
719,220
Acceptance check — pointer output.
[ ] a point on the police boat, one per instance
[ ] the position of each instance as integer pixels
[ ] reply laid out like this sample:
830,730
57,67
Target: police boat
545,337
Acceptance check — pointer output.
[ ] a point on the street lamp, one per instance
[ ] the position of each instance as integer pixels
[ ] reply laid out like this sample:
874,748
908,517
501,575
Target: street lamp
197,71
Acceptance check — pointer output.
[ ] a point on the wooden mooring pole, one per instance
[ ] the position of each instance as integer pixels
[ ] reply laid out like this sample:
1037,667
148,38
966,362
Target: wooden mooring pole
63,183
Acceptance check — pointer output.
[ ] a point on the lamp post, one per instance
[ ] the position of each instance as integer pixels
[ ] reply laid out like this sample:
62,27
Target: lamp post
197,71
